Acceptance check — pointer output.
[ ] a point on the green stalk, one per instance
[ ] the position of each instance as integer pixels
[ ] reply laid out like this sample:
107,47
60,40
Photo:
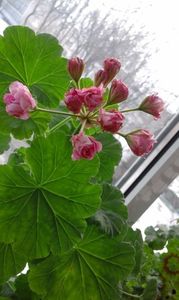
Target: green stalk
11,286
83,125
129,110
122,134
56,112
130,295
76,129
58,125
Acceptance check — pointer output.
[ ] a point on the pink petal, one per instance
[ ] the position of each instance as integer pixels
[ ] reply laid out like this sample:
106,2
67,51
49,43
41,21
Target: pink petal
8,98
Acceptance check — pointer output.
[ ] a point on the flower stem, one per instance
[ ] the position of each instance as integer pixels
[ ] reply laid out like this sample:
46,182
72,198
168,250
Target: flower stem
83,125
130,295
76,129
58,125
122,134
109,96
129,110
57,112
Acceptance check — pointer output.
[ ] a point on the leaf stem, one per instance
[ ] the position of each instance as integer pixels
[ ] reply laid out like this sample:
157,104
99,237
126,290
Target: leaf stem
11,286
130,295
129,110
57,112
58,125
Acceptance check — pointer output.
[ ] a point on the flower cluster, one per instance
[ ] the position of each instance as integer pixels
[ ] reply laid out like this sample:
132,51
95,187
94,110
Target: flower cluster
93,109
93,106
89,97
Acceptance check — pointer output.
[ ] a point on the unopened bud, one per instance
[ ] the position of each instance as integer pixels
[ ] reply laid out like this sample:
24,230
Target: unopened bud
75,68
118,92
111,67
140,141
152,105
99,77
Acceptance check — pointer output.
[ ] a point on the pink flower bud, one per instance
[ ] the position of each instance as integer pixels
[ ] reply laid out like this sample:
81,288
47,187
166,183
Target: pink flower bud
140,141
84,146
92,97
75,68
111,67
19,101
152,105
118,92
111,120
99,77
74,100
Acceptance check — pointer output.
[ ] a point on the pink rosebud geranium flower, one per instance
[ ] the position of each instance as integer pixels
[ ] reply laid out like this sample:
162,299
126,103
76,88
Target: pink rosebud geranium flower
74,100
118,92
140,141
111,67
84,146
92,97
19,101
111,120
153,105
75,68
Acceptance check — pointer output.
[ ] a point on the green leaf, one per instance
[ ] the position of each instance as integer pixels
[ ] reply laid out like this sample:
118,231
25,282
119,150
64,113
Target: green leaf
35,61
91,270
173,245
135,238
11,262
4,142
58,119
155,238
23,291
112,215
86,82
170,260
110,156
173,231
150,292
44,208
149,261
21,129
7,289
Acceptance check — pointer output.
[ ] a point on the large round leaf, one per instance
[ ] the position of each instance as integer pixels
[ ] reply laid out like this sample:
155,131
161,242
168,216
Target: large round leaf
4,142
11,262
23,291
91,270
135,238
109,157
44,209
21,129
112,215
35,61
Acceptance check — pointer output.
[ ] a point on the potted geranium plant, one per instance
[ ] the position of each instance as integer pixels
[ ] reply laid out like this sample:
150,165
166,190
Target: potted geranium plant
56,195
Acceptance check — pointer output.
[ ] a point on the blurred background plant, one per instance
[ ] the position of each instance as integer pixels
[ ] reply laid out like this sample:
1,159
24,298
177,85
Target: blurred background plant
159,274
